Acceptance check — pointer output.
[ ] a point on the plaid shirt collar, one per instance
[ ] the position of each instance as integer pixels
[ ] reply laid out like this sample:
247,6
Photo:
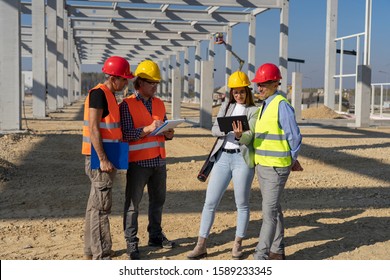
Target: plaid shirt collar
139,97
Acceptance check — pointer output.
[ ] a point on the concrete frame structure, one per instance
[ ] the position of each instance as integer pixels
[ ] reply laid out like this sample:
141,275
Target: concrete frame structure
90,32
363,69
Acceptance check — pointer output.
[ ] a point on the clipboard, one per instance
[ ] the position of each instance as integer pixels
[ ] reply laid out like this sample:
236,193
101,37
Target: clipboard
225,123
117,153
168,124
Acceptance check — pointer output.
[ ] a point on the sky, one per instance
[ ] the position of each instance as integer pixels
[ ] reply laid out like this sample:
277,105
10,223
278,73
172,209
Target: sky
307,31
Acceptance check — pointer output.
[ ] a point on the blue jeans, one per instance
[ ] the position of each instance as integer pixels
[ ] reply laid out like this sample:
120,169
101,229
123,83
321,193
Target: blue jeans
228,167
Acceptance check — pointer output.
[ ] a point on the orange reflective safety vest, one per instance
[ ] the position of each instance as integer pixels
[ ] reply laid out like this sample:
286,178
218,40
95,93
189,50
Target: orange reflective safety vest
110,126
150,146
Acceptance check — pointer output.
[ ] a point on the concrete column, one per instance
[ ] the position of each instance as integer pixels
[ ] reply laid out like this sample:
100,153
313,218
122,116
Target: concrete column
197,72
70,64
22,85
283,45
66,60
228,55
169,73
10,66
60,53
178,66
176,93
206,96
159,87
38,59
363,92
296,97
51,55
211,53
78,76
186,76
330,53
166,79
252,48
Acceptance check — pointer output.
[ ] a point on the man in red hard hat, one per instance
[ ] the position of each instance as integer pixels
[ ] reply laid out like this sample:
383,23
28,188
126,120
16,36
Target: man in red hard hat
277,143
102,124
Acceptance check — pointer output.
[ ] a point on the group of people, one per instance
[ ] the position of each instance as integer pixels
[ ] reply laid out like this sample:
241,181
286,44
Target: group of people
270,148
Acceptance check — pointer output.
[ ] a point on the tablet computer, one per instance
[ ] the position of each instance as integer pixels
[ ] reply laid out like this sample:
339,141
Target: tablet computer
225,123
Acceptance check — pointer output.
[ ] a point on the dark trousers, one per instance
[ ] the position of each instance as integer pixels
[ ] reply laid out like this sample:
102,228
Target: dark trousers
137,178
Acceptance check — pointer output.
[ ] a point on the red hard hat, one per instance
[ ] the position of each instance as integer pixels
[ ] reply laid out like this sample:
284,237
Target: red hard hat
117,66
267,72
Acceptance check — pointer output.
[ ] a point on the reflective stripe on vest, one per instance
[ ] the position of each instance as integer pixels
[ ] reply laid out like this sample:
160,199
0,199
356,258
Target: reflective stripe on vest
109,126
273,153
270,136
148,147
88,140
270,143
105,125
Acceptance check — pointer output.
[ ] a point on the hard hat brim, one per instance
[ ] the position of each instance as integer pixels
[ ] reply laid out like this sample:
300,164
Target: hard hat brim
131,76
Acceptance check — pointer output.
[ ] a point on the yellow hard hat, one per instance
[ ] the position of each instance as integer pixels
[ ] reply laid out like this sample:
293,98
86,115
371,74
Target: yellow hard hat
238,79
149,70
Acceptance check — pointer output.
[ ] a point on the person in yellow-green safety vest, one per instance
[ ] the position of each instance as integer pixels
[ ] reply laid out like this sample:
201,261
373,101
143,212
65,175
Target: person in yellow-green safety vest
277,143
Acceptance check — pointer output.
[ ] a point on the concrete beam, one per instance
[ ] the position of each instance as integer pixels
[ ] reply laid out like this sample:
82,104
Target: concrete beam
174,26
230,3
95,11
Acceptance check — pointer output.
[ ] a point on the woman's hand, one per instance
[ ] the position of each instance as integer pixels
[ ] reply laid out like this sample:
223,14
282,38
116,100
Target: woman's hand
237,129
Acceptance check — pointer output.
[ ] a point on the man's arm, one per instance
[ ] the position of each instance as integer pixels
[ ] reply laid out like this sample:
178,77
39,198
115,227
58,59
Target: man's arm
128,131
95,115
290,127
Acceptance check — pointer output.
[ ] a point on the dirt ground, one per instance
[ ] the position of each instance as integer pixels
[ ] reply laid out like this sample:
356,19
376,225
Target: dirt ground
337,208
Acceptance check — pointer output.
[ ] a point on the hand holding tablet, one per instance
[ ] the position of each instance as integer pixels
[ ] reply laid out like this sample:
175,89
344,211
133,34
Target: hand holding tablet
226,123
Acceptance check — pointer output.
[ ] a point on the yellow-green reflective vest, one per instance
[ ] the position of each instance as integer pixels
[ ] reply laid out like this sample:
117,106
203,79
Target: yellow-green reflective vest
271,146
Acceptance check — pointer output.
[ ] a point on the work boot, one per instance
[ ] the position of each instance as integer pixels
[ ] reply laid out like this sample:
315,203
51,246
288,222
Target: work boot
275,256
237,249
161,241
132,250
200,250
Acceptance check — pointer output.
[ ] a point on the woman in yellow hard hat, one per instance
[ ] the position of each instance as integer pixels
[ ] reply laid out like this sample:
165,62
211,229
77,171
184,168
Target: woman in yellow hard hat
233,155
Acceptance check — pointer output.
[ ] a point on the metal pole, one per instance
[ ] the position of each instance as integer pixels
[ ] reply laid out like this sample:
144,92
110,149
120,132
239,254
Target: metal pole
367,38
341,74
381,104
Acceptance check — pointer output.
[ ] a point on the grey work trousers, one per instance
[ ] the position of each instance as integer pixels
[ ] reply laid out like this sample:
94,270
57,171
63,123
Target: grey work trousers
272,181
156,180
97,236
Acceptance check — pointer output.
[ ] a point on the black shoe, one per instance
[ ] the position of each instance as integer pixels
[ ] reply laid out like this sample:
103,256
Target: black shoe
161,241
132,251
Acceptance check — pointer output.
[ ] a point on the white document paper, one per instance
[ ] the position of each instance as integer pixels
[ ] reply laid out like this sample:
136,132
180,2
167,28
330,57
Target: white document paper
168,124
